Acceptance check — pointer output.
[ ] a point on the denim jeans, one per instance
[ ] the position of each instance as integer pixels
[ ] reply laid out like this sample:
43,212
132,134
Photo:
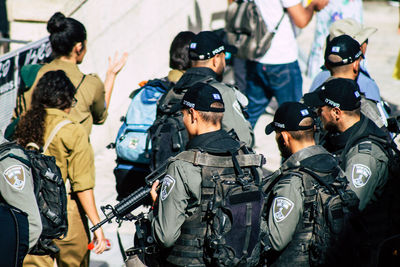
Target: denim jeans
264,81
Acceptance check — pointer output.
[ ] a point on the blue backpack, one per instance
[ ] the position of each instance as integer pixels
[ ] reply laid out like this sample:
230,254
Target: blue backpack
132,144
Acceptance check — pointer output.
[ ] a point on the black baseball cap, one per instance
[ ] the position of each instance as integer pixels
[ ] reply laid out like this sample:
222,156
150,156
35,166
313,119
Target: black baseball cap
288,117
200,97
345,47
207,44
338,92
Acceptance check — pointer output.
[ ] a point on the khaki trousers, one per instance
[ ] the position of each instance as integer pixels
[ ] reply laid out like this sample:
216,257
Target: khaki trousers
73,248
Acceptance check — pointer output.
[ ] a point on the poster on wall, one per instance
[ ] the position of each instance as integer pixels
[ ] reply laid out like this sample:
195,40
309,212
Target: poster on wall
10,80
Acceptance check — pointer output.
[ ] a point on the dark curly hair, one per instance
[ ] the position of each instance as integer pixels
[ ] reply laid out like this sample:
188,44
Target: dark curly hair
179,51
65,33
54,90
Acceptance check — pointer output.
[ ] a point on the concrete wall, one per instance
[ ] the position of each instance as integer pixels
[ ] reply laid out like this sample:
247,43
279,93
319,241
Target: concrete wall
143,28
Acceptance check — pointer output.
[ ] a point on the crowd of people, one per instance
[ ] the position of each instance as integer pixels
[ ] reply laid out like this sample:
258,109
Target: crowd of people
340,127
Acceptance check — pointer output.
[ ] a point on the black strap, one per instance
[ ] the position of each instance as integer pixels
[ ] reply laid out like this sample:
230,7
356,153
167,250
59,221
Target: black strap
187,254
80,83
121,247
350,142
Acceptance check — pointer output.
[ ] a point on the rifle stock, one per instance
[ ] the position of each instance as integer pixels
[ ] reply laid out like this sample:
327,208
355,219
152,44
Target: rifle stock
134,200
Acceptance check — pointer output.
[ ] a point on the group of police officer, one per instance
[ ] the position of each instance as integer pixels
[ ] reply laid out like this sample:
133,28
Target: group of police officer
345,132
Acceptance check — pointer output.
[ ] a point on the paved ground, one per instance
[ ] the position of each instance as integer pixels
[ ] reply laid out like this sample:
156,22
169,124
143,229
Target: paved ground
382,52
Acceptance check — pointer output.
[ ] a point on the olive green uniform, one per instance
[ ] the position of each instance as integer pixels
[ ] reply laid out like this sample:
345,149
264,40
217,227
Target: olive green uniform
177,201
367,171
91,107
16,188
75,158
233,115
365,163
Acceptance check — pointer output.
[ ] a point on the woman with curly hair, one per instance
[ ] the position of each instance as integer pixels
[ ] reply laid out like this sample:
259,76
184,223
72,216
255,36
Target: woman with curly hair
51,104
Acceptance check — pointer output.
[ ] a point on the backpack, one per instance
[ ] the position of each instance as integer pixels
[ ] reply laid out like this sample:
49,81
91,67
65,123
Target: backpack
51,197
247,30
235,204
50,192
168,134
330,212
132,143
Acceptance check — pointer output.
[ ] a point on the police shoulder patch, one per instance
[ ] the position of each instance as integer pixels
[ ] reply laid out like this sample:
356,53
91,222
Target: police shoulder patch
15,176
360,175
281,208
167,186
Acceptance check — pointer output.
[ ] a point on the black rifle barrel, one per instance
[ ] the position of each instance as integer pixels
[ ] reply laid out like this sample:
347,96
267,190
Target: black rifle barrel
135,199
126,205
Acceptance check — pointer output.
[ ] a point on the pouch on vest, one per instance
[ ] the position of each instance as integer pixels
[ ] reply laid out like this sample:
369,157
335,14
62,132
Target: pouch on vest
233,208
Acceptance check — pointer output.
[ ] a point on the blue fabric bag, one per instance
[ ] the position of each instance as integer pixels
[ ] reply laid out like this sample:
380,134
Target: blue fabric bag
131,139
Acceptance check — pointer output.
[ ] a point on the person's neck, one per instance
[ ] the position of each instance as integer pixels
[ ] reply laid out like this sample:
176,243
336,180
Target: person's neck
348,75
70,59
299,145
208,129
347,122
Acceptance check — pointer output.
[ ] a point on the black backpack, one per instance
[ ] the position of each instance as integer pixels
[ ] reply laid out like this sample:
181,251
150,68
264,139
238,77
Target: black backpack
168,134
51,197
233,215
330,212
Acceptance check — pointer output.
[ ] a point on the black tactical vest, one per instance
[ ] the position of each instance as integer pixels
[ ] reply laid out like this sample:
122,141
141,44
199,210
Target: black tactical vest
310,243
188,250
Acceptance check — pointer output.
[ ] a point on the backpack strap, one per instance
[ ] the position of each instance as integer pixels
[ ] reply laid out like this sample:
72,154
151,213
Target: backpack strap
80,83
54,132
350,142
200,158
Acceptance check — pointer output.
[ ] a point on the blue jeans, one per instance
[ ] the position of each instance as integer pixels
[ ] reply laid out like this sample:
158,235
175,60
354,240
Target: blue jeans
264,81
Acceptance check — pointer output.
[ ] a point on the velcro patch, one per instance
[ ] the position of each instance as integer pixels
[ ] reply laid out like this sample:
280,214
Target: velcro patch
360,175
15,176
167,186
281,208
365,147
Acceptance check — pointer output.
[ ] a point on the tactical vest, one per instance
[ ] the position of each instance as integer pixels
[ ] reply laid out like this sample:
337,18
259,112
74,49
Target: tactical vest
188,250
381,218
312,243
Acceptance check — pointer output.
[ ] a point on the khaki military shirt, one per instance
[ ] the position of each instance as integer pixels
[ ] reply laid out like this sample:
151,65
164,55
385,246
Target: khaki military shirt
175,75
367,171
16,188
179,198
91,107
74,155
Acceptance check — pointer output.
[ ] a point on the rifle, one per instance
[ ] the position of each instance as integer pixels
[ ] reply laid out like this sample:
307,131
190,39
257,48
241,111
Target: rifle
134,200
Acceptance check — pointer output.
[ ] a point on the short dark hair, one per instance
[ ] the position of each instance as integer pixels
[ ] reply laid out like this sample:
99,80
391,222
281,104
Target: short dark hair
212,117
179,51
304,135
65,33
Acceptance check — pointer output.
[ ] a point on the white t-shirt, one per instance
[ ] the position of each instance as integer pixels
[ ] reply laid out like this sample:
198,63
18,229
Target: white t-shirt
283,47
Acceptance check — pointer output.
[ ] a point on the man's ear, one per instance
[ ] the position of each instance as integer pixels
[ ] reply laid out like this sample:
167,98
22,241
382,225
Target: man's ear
78,47
356,66
193,115
286,137
337,112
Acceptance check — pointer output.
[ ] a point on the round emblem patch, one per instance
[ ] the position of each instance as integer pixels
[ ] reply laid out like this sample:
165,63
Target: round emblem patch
15,176
360,175
281,208
167,186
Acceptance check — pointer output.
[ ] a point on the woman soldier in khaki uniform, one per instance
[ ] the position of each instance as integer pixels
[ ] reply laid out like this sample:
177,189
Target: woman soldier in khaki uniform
52,102
68,42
